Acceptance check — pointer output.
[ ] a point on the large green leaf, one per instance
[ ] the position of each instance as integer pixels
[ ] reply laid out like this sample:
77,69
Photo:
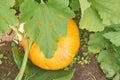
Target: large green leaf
44,23
114,37
96,43
91,20
84,4
35,73
109,10
7,15
108,62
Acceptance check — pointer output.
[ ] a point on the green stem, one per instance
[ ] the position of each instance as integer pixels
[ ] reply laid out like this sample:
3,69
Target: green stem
42,2
13,28
24,63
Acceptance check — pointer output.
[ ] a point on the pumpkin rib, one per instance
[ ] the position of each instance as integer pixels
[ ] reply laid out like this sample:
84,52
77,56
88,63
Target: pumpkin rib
67,48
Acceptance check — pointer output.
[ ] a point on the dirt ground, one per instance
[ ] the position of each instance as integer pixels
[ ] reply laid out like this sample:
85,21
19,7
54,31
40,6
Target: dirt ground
90,71
9,70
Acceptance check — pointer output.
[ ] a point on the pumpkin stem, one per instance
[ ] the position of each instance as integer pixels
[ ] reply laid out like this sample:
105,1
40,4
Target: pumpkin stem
24,63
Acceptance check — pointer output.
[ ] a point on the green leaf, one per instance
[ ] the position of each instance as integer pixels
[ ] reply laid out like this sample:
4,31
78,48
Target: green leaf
18,57
117,77
114,37
91,20
18,4
1,56
20,1
7,15
35,73
108,63
84,4
67,77
117,50
117,27
96,43
109,10
7,3
44,23
74,4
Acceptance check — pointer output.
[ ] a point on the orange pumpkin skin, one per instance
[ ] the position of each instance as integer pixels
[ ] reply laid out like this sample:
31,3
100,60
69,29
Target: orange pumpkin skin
67,48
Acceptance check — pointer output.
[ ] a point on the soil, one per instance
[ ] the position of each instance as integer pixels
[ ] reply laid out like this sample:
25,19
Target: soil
9,70
89,71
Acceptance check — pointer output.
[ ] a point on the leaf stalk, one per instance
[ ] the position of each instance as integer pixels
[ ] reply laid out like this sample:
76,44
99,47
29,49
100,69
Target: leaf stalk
24,63
42,2
14,29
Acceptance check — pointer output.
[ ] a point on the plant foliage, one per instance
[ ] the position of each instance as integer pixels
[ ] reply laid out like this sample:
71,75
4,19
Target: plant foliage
7,15
33,72
45,22
102,17
74,4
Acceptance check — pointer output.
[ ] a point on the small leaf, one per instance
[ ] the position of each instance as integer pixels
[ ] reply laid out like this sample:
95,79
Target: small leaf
20,1
109,10
114,37
18,4
117,77
108,63
91,20
18,58
44,23
1,56
96,43
75,5
84,4
7,15
7,3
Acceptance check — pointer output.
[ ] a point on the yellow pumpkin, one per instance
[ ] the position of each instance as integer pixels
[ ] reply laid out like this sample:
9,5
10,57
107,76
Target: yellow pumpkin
67,48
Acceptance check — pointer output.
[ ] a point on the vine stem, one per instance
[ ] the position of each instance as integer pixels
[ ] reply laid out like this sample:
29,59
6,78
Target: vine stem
13,28
42,2
24,63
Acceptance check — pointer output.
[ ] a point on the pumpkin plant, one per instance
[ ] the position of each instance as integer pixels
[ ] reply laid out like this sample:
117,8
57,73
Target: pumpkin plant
53,36
50,32
101,17
67,48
